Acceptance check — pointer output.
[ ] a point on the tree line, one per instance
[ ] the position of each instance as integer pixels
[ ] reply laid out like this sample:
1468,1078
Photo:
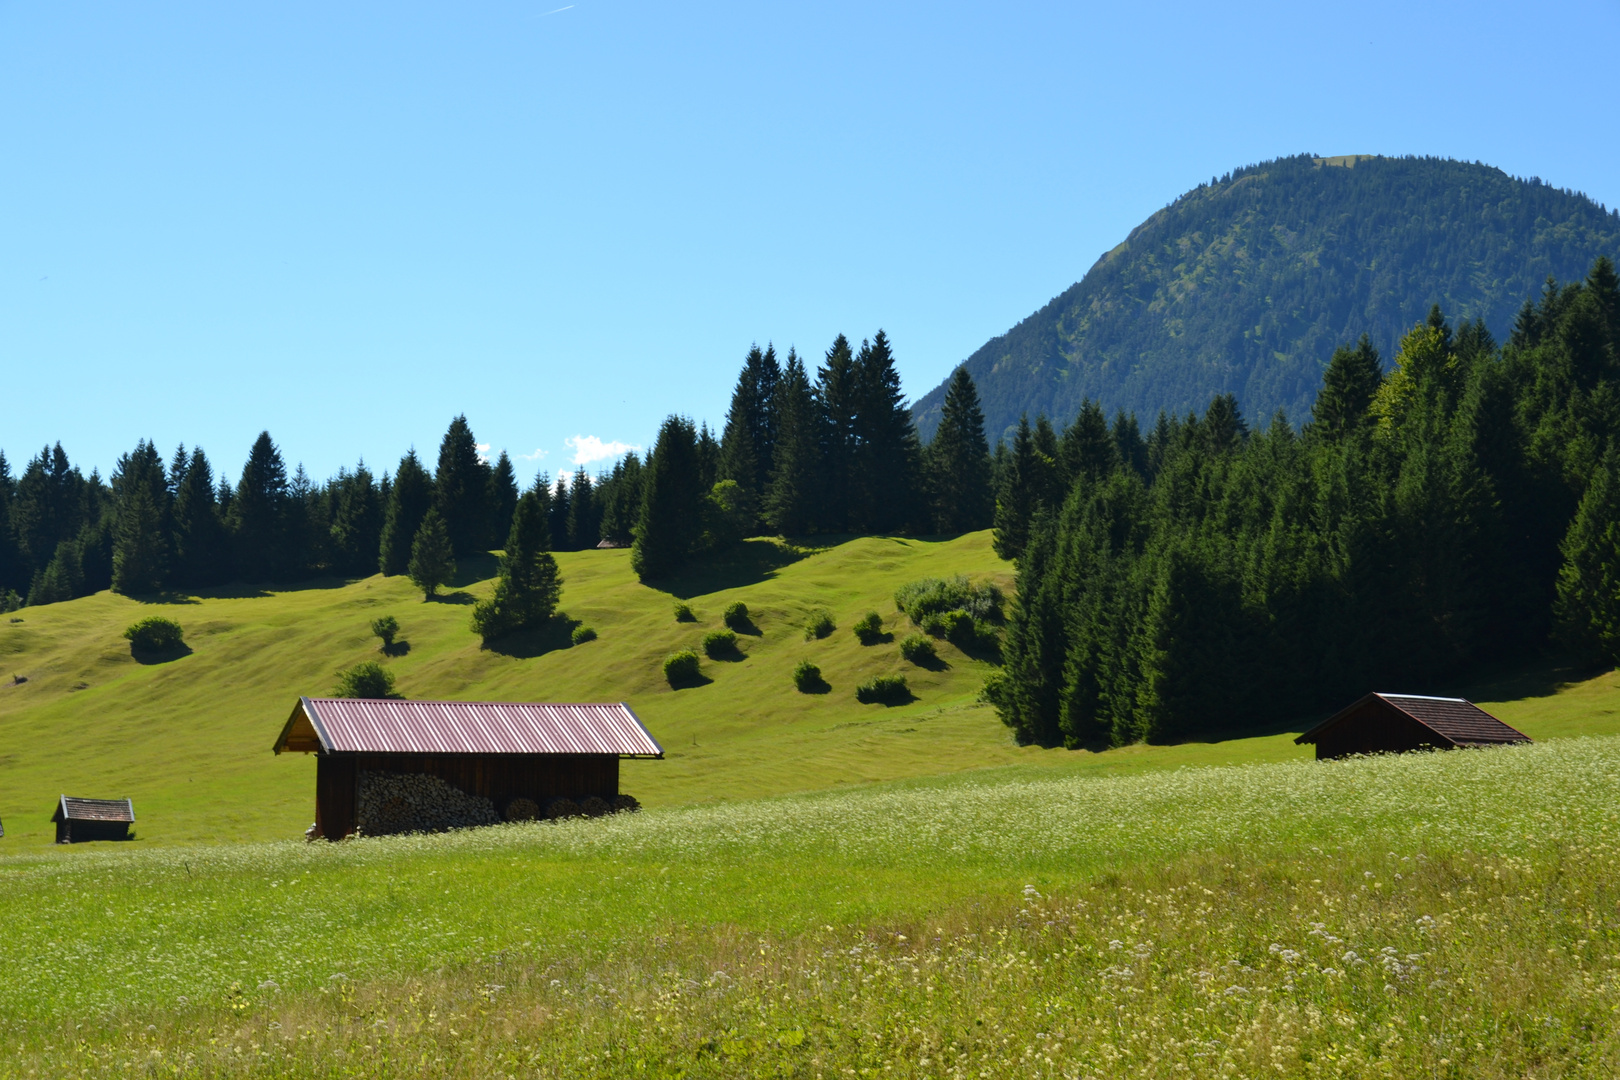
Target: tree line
836,454
1462,508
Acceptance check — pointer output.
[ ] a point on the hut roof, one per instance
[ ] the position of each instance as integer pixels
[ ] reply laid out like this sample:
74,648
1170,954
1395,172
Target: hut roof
71,809
375,725
1457,720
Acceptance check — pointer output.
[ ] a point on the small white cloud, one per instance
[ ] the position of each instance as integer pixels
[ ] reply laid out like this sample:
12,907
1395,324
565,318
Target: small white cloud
588,448
536,456
483,451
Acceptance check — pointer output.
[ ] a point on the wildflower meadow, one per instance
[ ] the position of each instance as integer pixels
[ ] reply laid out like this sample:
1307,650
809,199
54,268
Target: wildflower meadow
1437,915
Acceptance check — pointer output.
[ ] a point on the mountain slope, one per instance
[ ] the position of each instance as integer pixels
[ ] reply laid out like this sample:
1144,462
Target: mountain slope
1246,285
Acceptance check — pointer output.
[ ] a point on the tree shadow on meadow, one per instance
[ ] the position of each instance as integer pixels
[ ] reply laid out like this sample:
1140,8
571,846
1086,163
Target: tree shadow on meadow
460,596
149,657
747,562
398,647
556,633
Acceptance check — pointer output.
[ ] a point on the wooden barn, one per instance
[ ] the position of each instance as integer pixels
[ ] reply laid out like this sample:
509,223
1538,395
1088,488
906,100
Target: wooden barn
79,820
501,752
1398,723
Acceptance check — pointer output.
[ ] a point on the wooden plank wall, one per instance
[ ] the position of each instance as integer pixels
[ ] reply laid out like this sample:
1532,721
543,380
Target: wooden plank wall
1377,728
503,777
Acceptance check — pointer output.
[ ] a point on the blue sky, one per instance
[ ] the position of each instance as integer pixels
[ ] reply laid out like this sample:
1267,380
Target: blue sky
348,223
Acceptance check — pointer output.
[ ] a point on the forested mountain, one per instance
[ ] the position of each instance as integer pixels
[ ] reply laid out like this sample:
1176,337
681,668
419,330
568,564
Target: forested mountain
1245,286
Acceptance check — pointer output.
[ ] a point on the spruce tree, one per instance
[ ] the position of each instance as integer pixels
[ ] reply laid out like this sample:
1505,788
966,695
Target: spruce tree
620,499
258,518
13,576
461,489
433,559
557,515
886,453
1588,607
47,509
409,500
583,514
1051,485
708,458
357,522
502,500
958,461
837,402
1348,387
1088,451
791,504
527,590
140,554
669,527
199,534
748,444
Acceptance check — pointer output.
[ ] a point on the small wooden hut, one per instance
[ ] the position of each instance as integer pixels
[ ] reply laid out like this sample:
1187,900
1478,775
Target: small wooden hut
1400,723
79,820
499,751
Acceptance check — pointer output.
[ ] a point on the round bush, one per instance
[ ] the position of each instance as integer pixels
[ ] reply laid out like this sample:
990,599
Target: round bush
681,667
561,808
387,628
593,806
718,643
869,631
807,677
155,634
625,804
918,649
367,679
683,613
521,809
883,689
820,625
582,634
736,615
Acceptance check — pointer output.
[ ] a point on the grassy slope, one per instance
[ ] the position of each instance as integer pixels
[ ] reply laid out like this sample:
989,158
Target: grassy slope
189,739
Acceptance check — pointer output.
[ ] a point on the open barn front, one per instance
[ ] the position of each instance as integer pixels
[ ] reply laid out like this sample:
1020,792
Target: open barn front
393,766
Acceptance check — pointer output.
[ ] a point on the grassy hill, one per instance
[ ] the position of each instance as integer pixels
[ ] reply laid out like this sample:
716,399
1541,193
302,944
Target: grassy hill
189,739
1247,284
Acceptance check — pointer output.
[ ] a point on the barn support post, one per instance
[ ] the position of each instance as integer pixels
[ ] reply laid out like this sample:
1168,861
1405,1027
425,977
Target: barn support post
336,780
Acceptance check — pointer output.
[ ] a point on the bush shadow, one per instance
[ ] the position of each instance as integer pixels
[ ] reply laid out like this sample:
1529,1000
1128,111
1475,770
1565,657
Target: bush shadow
692,683
728,654
892,701
819,686
400,647
747,562
460,596
885,638
555,633
746,626
932,663
149,657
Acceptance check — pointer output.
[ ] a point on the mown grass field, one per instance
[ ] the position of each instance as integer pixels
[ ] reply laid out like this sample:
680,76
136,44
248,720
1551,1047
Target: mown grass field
1450,915
189,739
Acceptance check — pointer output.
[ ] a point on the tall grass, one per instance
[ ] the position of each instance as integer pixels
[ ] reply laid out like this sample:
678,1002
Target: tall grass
1446,914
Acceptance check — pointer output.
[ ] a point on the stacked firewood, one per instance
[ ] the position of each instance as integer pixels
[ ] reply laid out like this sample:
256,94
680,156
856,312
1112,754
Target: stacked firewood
393,803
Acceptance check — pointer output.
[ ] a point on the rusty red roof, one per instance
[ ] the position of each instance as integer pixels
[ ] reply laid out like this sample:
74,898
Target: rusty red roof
374,725
71,809
1457,720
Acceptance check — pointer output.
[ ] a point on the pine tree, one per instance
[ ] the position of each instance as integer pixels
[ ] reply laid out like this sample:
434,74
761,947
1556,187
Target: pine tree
140,554
47,509
433,559
557,515
885,451
1027,485
357,522
502,500
620,499
13,575
1051,485
1088,451
409,501
958,462
258,516
791,504
748,445
461,489
308,525
708,458
199,534
1588,607
1348,388
669,528
837,401
527,590
583,514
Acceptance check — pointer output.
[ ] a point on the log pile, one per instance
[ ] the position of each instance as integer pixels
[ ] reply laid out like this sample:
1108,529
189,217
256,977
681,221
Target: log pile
390,803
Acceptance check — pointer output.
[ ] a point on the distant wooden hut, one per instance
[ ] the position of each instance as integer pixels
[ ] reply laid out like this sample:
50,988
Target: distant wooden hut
79,820
500,751
1399,723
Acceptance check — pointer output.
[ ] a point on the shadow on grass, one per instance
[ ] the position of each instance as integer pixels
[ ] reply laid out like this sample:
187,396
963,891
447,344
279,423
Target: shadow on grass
556,633
725,654
159,656
400,647
745,625
460,596
691,682
891,699
885,638
816,686
471,569
746,563
931,663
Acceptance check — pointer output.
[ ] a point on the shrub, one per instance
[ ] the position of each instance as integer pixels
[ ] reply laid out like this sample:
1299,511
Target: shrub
718,643
562,807
155,634
683,613
918,649
625,804
521,809
883,689
934,596
736,615
820,625
963,630
595,806
869,631
386,628
807,677
582,634
367,679
681,667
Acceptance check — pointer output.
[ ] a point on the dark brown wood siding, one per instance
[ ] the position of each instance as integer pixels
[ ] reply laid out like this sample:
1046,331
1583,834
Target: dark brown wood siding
1377,728
499,778
80,832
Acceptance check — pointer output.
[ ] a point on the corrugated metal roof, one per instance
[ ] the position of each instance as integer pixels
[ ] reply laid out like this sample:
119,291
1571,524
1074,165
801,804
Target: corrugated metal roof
370,725
72,809
1458,719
